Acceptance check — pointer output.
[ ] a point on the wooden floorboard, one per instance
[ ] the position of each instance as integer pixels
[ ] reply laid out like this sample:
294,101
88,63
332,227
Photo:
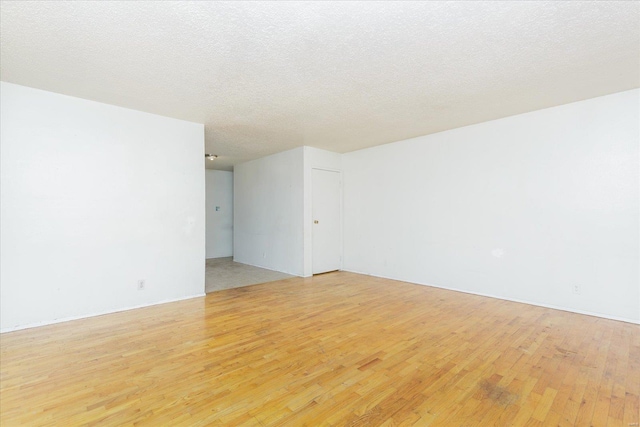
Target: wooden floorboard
335,350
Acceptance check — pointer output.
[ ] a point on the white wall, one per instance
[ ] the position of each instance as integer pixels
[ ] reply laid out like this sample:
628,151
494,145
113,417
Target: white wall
93,198
314,158
268,212
219,188
521,208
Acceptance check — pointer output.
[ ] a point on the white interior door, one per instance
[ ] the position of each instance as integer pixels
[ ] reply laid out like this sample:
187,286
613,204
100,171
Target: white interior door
326,221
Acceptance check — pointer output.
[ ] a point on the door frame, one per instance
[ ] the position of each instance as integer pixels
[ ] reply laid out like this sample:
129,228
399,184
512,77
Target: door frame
340,197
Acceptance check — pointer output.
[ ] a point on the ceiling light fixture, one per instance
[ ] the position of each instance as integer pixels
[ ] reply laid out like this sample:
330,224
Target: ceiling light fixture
211,156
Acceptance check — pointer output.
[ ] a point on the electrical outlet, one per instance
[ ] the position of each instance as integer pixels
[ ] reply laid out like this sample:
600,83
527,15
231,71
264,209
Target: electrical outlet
141,285
576,289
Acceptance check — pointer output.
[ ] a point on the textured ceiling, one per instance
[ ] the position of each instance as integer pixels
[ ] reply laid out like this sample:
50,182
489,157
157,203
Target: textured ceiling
265,77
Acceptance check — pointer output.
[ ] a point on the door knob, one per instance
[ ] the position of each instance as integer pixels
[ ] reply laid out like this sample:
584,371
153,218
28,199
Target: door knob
315,221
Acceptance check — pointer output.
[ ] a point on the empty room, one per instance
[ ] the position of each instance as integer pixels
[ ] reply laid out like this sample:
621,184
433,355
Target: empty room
434,208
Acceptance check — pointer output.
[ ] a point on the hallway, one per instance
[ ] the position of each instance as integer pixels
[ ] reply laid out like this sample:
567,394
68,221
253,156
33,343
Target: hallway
224,273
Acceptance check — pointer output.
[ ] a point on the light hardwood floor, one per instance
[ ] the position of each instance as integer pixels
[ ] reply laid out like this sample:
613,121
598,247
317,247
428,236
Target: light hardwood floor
338,349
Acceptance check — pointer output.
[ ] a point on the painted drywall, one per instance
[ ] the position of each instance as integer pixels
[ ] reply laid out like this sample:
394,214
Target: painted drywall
268,212
94,198
219,209
314,158
522,208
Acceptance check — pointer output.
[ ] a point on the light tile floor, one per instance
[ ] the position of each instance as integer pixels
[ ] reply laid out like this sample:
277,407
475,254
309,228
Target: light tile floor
224,273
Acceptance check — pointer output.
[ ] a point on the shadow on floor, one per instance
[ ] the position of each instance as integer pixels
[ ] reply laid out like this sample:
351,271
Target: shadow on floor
224,273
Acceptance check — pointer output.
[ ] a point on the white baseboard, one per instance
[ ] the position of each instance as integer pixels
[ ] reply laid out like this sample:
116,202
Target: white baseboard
537,304
100,313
